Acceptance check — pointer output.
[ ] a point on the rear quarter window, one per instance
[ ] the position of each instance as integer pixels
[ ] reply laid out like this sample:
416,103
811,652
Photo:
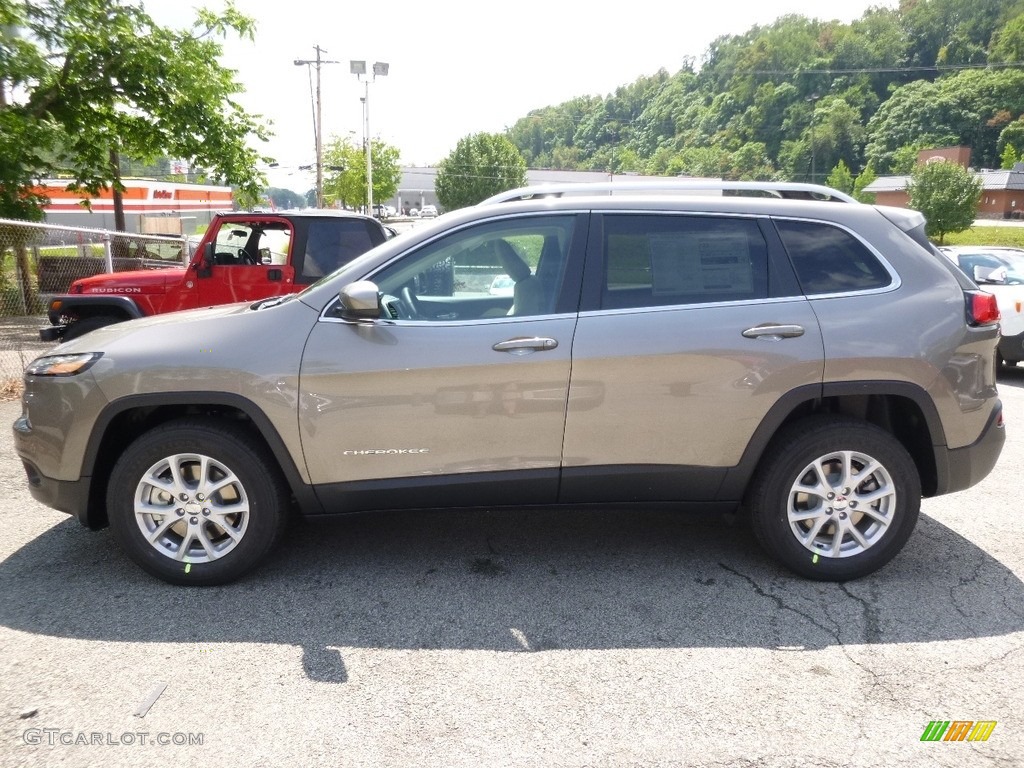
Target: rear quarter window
828,259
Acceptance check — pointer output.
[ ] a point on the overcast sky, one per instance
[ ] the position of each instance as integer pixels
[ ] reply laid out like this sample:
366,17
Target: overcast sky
461,66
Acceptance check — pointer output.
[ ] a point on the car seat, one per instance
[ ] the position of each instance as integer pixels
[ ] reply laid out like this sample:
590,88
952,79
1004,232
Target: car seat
528,294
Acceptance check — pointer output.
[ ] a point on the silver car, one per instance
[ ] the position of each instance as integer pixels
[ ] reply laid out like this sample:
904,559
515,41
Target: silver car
813,363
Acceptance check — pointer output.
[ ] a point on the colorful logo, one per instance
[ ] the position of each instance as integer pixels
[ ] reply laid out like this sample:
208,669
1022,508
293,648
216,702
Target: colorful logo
958,730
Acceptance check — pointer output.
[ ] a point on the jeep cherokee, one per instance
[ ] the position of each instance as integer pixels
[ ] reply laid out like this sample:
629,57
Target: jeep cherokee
817,364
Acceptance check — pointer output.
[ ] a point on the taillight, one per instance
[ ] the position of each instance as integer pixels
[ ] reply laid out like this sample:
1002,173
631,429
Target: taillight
981,308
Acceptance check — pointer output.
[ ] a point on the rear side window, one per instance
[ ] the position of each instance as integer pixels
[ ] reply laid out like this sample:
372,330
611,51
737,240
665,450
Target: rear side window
332,243
658,260
828,259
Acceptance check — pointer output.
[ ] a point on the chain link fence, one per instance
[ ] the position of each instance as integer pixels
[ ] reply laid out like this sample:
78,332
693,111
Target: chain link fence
38,261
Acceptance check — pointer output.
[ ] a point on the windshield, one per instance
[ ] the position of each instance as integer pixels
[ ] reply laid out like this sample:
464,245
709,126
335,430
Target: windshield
354,269
1011,261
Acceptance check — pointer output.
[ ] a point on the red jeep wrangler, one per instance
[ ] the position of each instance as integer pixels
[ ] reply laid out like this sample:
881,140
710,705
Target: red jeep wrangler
242,257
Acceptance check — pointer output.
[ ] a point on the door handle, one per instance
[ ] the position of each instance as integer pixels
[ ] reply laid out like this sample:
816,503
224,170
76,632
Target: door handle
774,332
525,344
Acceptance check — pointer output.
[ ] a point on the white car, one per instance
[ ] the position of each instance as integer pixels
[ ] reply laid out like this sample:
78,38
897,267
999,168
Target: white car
1000,271
502,285
428,211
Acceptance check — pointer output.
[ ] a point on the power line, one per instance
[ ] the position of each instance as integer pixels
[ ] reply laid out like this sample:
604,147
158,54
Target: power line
878,70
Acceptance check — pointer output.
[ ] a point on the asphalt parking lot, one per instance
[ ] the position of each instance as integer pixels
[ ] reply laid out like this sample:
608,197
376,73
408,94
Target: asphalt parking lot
516,638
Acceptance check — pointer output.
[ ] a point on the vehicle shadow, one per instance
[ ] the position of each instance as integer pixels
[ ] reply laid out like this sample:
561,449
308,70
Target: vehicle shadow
1011,376
516,581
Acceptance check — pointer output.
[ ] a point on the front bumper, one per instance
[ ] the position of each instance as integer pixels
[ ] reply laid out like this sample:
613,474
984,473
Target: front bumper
53,333
68,496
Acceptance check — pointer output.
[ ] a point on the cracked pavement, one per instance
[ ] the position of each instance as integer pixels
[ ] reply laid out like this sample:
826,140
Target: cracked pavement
601,637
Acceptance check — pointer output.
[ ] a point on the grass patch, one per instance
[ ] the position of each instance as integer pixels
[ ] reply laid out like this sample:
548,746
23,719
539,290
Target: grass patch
1011,237
10,389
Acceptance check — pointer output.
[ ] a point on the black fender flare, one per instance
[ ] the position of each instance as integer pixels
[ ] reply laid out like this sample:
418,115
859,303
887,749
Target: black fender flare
117,305
304,493
738,477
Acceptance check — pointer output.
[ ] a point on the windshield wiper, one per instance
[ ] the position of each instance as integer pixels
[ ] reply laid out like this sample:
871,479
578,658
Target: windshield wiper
273,301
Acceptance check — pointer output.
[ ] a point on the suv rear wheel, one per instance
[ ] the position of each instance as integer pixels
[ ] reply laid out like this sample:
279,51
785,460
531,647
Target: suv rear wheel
195,503
834,498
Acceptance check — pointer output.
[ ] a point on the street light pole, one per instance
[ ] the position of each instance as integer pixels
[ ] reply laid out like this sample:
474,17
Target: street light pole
358,68
318,122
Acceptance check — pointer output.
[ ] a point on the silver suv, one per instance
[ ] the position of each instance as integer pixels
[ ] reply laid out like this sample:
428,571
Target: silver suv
813,361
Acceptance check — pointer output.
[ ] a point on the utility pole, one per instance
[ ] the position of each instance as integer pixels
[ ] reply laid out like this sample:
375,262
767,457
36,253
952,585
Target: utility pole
813,101
318,121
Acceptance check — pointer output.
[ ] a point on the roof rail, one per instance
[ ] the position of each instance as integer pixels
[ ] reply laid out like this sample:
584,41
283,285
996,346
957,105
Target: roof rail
782,189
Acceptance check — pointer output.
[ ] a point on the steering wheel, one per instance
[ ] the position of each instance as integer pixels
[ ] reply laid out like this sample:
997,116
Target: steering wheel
247,258
410,300
394,308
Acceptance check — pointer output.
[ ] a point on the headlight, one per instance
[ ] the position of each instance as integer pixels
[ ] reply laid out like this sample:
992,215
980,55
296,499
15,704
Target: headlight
62,365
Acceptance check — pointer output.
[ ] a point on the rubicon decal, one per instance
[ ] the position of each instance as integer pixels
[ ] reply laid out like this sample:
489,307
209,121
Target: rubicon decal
115,290
386,452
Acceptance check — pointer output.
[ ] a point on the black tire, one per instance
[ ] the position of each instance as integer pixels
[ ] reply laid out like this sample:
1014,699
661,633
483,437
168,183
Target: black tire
253,505
86,324
829,549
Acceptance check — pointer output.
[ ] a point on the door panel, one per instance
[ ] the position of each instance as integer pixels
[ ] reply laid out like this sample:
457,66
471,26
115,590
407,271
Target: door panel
683,387
691,351
455,395
435,400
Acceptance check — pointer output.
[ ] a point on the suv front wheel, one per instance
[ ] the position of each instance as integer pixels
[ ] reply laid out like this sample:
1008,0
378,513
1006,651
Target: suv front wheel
834,498
196,503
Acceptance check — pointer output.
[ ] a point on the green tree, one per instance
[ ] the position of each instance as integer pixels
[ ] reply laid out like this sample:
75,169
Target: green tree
947,194
284,198
864,178
1013,133
345,176
840,178
481,165
751,163
1009,156
1008,42
83,82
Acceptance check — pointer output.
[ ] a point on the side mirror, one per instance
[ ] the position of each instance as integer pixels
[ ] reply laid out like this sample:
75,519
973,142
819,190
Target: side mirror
360,301
205,261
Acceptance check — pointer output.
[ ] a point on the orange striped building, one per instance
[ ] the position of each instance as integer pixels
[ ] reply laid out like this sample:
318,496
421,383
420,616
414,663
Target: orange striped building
146,202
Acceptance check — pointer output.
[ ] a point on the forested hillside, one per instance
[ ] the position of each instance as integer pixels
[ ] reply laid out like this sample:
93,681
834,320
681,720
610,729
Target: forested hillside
803,94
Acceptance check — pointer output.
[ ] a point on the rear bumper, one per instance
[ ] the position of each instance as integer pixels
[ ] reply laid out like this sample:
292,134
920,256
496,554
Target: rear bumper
960,468
1011,348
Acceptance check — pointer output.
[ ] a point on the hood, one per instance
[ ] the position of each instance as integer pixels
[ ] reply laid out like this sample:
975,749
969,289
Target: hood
184,321
140,281
228,348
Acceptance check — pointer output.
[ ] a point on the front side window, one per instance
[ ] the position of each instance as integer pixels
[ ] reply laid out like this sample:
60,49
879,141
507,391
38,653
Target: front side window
512,267
658,260
246,243
828,259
